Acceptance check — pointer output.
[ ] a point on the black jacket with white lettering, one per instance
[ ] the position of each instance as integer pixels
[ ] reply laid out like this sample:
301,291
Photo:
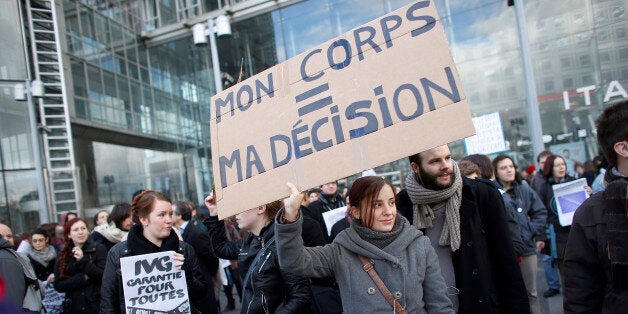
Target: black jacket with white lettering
112,291
269,289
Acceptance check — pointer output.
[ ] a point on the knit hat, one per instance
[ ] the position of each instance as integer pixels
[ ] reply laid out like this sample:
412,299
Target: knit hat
530,169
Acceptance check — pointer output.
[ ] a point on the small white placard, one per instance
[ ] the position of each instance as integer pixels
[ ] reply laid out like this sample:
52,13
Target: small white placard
333,216
568,197
489,135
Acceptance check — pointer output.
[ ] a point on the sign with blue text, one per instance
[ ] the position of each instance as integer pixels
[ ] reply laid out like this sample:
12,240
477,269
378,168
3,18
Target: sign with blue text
152,284
378,93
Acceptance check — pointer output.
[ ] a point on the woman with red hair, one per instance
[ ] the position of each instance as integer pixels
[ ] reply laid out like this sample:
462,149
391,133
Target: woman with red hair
79,269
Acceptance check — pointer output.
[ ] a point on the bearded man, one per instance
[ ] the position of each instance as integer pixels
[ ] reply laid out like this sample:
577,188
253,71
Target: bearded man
465,221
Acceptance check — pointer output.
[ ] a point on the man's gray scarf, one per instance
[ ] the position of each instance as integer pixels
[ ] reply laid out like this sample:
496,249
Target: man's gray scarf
44,257
421,197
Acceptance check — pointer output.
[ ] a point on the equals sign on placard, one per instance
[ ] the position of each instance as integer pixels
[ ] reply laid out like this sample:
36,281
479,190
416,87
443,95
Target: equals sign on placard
316,104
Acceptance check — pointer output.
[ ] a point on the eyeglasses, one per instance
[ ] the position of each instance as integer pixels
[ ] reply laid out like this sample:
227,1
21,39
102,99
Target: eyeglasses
38,240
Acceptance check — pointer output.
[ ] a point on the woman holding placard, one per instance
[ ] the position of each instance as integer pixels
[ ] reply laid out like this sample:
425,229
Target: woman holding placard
267,288
79,269
381,262
152,233
555,172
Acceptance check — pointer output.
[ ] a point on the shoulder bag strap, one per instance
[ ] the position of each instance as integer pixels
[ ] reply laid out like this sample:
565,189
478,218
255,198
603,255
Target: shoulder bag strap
370,269
260,253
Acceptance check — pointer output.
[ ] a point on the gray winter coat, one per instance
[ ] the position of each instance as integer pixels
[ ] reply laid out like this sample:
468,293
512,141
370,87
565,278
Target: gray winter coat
408,266
530,214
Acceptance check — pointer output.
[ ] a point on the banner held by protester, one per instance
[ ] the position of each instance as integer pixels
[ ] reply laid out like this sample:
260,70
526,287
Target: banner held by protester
568,197
378,93
153,285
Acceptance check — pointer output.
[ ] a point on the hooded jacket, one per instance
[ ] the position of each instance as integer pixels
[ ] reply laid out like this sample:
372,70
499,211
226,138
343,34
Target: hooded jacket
269,289
529,213
408,266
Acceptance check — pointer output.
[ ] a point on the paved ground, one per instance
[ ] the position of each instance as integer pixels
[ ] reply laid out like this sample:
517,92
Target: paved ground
553,305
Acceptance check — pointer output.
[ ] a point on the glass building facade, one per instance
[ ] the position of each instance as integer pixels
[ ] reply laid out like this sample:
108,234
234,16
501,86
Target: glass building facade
139,88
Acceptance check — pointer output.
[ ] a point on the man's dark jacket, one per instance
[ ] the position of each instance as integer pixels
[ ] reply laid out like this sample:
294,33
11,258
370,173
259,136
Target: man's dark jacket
269,288
207,261
589,281
487,273
316,209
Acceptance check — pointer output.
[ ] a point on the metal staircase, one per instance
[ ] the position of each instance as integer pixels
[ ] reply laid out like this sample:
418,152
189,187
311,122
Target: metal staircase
53,107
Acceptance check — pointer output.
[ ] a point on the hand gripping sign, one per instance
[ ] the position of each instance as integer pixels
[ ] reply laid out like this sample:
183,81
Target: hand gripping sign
153,285
378,93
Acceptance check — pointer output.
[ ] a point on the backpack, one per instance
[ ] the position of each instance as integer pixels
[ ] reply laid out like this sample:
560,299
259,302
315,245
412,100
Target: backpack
35,289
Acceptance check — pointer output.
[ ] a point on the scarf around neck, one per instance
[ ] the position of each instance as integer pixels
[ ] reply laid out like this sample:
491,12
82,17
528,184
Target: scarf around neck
379,239
45,257
423,214
331,201
112,233
138,244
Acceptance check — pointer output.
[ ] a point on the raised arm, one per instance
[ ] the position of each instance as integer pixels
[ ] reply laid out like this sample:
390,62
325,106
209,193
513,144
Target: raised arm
221,246
316,261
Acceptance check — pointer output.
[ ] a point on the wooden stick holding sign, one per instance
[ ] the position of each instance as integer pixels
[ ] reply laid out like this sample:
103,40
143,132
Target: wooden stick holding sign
378,93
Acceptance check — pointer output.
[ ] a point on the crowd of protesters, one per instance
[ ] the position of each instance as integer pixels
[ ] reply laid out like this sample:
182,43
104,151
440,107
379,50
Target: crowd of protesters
461,237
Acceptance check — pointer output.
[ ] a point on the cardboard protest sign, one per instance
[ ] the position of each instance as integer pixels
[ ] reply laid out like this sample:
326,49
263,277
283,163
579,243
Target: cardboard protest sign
378,93
568,197
489,137
153,285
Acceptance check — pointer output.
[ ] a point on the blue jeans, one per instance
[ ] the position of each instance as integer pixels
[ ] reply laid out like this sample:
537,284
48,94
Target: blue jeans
551,272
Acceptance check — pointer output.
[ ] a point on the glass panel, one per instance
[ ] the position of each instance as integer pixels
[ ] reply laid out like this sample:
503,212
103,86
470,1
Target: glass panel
15,136
81,107
167,12
13,61
78,79
133,169
102,30
22,210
